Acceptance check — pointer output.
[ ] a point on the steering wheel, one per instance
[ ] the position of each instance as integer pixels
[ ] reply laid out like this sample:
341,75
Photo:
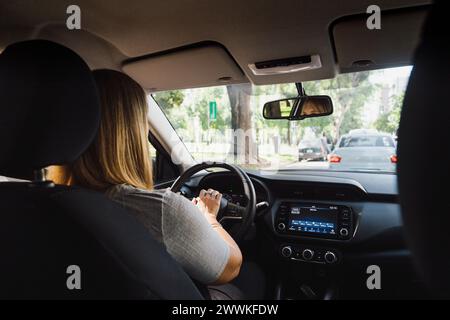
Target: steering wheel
227,210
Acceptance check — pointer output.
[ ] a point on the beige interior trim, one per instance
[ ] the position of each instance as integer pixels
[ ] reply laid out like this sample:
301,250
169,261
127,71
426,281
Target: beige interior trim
252,31
393,45
200,66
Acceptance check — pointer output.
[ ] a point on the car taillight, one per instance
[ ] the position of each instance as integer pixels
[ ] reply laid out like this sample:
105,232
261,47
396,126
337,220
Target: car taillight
394,158
334,158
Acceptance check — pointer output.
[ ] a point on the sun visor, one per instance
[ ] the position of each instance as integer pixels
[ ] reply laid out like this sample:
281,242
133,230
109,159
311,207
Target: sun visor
359,48
197,66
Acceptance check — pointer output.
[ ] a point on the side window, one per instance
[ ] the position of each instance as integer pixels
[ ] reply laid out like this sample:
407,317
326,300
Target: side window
164,170
152,152
152,156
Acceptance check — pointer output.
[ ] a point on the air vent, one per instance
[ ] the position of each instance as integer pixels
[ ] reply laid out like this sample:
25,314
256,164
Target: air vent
318,191
287,65
282,62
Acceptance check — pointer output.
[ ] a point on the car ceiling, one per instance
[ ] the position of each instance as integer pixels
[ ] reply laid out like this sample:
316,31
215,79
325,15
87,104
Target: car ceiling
118,34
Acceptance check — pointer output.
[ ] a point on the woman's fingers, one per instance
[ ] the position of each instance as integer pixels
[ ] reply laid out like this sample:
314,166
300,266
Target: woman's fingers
215,194
205,194
208,201
210,194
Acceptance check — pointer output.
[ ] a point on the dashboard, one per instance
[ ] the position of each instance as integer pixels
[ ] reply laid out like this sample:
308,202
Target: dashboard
338,220
369,202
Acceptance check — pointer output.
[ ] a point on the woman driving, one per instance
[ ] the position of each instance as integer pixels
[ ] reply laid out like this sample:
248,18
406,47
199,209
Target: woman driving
118,163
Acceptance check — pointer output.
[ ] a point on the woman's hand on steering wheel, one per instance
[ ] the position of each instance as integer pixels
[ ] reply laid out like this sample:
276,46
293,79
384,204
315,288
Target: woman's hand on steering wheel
228,210
209,203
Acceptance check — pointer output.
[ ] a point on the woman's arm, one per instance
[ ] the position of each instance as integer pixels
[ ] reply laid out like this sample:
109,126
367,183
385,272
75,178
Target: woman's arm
209,203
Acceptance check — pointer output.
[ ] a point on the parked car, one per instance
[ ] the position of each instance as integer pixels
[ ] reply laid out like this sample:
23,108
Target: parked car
313,150
372,151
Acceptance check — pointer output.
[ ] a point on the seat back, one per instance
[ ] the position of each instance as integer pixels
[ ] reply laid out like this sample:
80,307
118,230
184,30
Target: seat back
46,231
59,242
423,154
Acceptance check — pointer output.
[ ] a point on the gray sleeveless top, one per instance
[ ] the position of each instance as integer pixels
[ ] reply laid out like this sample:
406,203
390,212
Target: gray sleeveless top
180,226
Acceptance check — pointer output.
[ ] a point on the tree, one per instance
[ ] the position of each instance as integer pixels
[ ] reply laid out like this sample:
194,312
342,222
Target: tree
349,93
388,121
170,102
241,118
288,91
189,109
169,99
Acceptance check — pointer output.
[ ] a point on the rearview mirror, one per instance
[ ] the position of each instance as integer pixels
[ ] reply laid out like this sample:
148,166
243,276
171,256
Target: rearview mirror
298,108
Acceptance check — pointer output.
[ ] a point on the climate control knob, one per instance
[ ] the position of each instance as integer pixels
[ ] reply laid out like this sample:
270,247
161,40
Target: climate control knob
330,257
343,232
281,226
307,254
286,252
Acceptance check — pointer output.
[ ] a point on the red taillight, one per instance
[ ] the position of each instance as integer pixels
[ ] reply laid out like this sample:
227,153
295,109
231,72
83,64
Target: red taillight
394,158
334,158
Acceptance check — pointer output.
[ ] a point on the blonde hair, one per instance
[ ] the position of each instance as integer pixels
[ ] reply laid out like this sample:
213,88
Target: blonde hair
120,152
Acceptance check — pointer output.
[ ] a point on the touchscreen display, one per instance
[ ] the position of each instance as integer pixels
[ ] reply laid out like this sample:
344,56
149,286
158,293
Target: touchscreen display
314,219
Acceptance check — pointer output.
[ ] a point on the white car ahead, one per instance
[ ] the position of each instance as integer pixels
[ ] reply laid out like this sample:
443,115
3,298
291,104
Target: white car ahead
371,152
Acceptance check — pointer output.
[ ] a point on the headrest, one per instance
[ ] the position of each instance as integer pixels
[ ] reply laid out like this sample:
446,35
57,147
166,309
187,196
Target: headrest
49,106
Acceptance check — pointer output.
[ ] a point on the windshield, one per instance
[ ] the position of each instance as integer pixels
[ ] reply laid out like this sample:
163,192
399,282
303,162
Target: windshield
225,123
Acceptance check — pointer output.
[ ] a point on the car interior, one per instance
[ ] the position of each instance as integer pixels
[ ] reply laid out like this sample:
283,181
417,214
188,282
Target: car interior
315,234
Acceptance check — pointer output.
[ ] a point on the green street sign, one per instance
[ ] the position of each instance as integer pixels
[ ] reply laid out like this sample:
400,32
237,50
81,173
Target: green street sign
212,111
